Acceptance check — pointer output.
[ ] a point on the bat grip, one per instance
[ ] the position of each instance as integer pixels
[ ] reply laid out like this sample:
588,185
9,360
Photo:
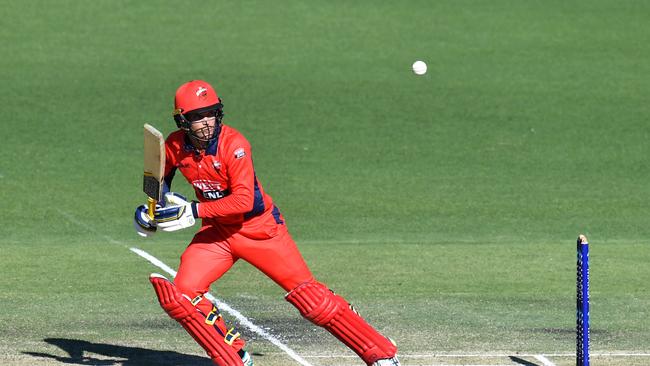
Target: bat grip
152,207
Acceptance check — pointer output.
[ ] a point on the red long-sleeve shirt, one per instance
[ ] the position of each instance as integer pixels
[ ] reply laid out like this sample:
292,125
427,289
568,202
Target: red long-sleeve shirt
223,178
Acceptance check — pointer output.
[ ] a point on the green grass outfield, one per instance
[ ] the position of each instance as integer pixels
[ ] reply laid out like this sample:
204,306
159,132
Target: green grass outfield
445,207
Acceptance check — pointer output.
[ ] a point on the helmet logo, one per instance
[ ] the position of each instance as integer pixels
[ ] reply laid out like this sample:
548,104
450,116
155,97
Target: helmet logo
202,92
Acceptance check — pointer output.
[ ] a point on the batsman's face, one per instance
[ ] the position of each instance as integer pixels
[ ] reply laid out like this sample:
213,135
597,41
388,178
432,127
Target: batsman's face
201,131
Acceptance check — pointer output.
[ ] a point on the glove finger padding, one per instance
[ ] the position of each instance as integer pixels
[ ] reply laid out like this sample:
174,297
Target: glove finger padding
173,198
176,215
143,224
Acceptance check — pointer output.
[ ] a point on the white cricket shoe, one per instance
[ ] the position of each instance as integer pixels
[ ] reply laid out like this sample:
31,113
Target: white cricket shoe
387,362
247,359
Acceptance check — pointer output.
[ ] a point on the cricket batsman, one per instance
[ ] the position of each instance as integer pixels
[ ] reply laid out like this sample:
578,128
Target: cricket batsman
239,221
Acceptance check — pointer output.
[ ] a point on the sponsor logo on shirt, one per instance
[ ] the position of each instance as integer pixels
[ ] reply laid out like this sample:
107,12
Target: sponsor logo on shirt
206,185
214,195
210,189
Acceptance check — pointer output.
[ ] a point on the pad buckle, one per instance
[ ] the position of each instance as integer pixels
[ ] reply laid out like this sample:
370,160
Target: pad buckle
196,300
213,316
230,336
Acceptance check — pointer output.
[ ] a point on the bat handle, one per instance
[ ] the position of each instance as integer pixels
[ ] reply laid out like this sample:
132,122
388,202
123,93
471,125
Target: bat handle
152,207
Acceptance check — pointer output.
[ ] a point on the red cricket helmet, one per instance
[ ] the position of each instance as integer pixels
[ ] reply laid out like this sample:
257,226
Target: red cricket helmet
195,94
193,101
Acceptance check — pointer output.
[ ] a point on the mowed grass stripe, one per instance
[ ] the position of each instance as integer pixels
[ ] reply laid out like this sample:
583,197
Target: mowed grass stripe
444,207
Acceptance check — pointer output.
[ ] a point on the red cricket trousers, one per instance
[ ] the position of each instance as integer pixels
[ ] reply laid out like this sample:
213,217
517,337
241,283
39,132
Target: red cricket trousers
215,249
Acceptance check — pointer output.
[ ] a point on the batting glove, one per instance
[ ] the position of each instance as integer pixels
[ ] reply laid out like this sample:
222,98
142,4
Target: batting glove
144,225
177,214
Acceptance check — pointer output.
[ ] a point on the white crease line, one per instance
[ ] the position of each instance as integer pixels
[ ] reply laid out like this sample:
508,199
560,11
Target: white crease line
223,306
544,360
244,321
461,355
618,354
155,261
494,355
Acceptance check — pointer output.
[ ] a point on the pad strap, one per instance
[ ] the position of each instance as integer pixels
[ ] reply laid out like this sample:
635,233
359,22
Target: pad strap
323,307
180,308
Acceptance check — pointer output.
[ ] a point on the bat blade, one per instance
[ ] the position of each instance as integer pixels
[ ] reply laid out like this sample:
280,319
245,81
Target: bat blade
154,165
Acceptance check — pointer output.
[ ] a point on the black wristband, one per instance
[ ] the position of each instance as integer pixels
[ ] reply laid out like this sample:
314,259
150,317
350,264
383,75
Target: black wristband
195,209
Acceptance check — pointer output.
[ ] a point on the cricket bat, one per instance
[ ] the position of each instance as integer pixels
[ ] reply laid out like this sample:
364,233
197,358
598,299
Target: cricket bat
154,166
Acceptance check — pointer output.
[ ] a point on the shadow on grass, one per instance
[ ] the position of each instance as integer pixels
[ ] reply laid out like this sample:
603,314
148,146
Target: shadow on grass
521,361
128,356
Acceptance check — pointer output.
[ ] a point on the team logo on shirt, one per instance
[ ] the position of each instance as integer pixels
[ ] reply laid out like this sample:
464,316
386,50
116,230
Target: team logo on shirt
240,153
